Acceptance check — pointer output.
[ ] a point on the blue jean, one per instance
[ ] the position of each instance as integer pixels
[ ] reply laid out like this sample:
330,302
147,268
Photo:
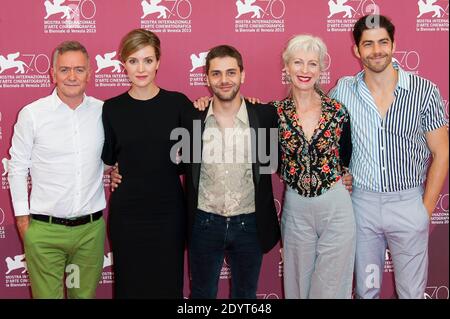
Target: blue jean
213,236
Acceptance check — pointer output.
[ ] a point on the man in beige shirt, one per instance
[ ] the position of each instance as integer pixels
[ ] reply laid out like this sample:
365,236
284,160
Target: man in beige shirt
226,183
231,209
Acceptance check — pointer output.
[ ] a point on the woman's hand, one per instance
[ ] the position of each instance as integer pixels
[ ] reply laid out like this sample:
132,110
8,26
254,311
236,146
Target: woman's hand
202,103
253,100
347,180
115,177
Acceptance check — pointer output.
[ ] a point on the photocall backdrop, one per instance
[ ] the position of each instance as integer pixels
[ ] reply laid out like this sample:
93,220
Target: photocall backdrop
30,29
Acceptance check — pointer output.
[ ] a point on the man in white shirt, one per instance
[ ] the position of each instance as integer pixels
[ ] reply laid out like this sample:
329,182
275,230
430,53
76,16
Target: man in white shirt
58,142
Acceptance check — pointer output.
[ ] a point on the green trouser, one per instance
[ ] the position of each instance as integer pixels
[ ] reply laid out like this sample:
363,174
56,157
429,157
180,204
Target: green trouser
56,253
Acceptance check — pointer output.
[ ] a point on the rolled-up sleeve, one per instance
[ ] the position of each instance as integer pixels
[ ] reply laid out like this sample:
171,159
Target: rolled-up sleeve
433,113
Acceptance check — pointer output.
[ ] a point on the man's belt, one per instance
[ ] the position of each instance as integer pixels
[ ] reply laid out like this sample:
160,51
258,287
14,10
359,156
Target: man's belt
77,221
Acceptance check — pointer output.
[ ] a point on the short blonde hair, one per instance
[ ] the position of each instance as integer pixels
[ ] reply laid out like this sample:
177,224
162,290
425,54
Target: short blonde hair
137,39
307,43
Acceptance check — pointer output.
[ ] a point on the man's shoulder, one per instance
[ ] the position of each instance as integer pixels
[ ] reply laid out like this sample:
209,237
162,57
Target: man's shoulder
345,87
261,108
94,101
265,113
346,81
418,82
39,104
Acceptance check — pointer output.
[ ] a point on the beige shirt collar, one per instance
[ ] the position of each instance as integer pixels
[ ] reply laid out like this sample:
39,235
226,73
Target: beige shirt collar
241,115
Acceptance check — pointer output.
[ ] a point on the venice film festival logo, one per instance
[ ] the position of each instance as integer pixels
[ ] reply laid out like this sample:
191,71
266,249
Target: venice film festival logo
440,213
109,72
16,274
197,75
166,16
344,13
409,60
2,228
270,295
225,271
436,292
433,16
388,264
69,16
259,16
325,74
24,70
5,184
107,273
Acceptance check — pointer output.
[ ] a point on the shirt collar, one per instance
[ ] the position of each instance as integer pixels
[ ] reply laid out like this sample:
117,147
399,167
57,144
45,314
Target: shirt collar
403,77
241,115
57,102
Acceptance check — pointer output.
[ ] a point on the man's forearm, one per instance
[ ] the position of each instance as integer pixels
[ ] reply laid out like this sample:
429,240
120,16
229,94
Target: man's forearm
437,174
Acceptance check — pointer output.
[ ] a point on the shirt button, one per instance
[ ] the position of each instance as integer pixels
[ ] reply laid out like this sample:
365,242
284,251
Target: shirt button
383,168
226,172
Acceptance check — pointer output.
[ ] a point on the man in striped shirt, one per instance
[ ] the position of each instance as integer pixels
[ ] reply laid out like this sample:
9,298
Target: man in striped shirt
397,122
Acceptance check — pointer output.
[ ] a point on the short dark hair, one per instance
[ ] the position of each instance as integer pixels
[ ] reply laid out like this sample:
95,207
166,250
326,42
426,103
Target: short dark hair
222,51
372,21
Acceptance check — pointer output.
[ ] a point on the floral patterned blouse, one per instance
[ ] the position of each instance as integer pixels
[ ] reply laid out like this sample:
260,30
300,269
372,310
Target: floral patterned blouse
312,167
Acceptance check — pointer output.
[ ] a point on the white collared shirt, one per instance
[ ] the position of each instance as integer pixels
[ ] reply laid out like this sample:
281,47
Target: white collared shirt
60,149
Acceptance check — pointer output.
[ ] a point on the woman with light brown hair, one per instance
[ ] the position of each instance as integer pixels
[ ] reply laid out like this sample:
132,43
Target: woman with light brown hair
147,213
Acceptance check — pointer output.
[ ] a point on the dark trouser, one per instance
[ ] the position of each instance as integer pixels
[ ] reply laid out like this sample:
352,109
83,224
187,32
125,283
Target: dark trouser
213,236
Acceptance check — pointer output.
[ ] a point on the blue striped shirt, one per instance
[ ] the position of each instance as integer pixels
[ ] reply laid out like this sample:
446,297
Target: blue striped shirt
390,154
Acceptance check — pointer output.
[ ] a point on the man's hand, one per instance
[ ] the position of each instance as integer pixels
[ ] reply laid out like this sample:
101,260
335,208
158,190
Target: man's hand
116,178
202,103
22,222
347,180
429,207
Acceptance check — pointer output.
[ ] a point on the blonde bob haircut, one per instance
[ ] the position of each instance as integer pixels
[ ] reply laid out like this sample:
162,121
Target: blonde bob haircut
307,43
137,39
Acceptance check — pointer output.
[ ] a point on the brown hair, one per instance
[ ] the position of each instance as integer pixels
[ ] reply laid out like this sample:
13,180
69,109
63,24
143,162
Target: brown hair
137,39
222,51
